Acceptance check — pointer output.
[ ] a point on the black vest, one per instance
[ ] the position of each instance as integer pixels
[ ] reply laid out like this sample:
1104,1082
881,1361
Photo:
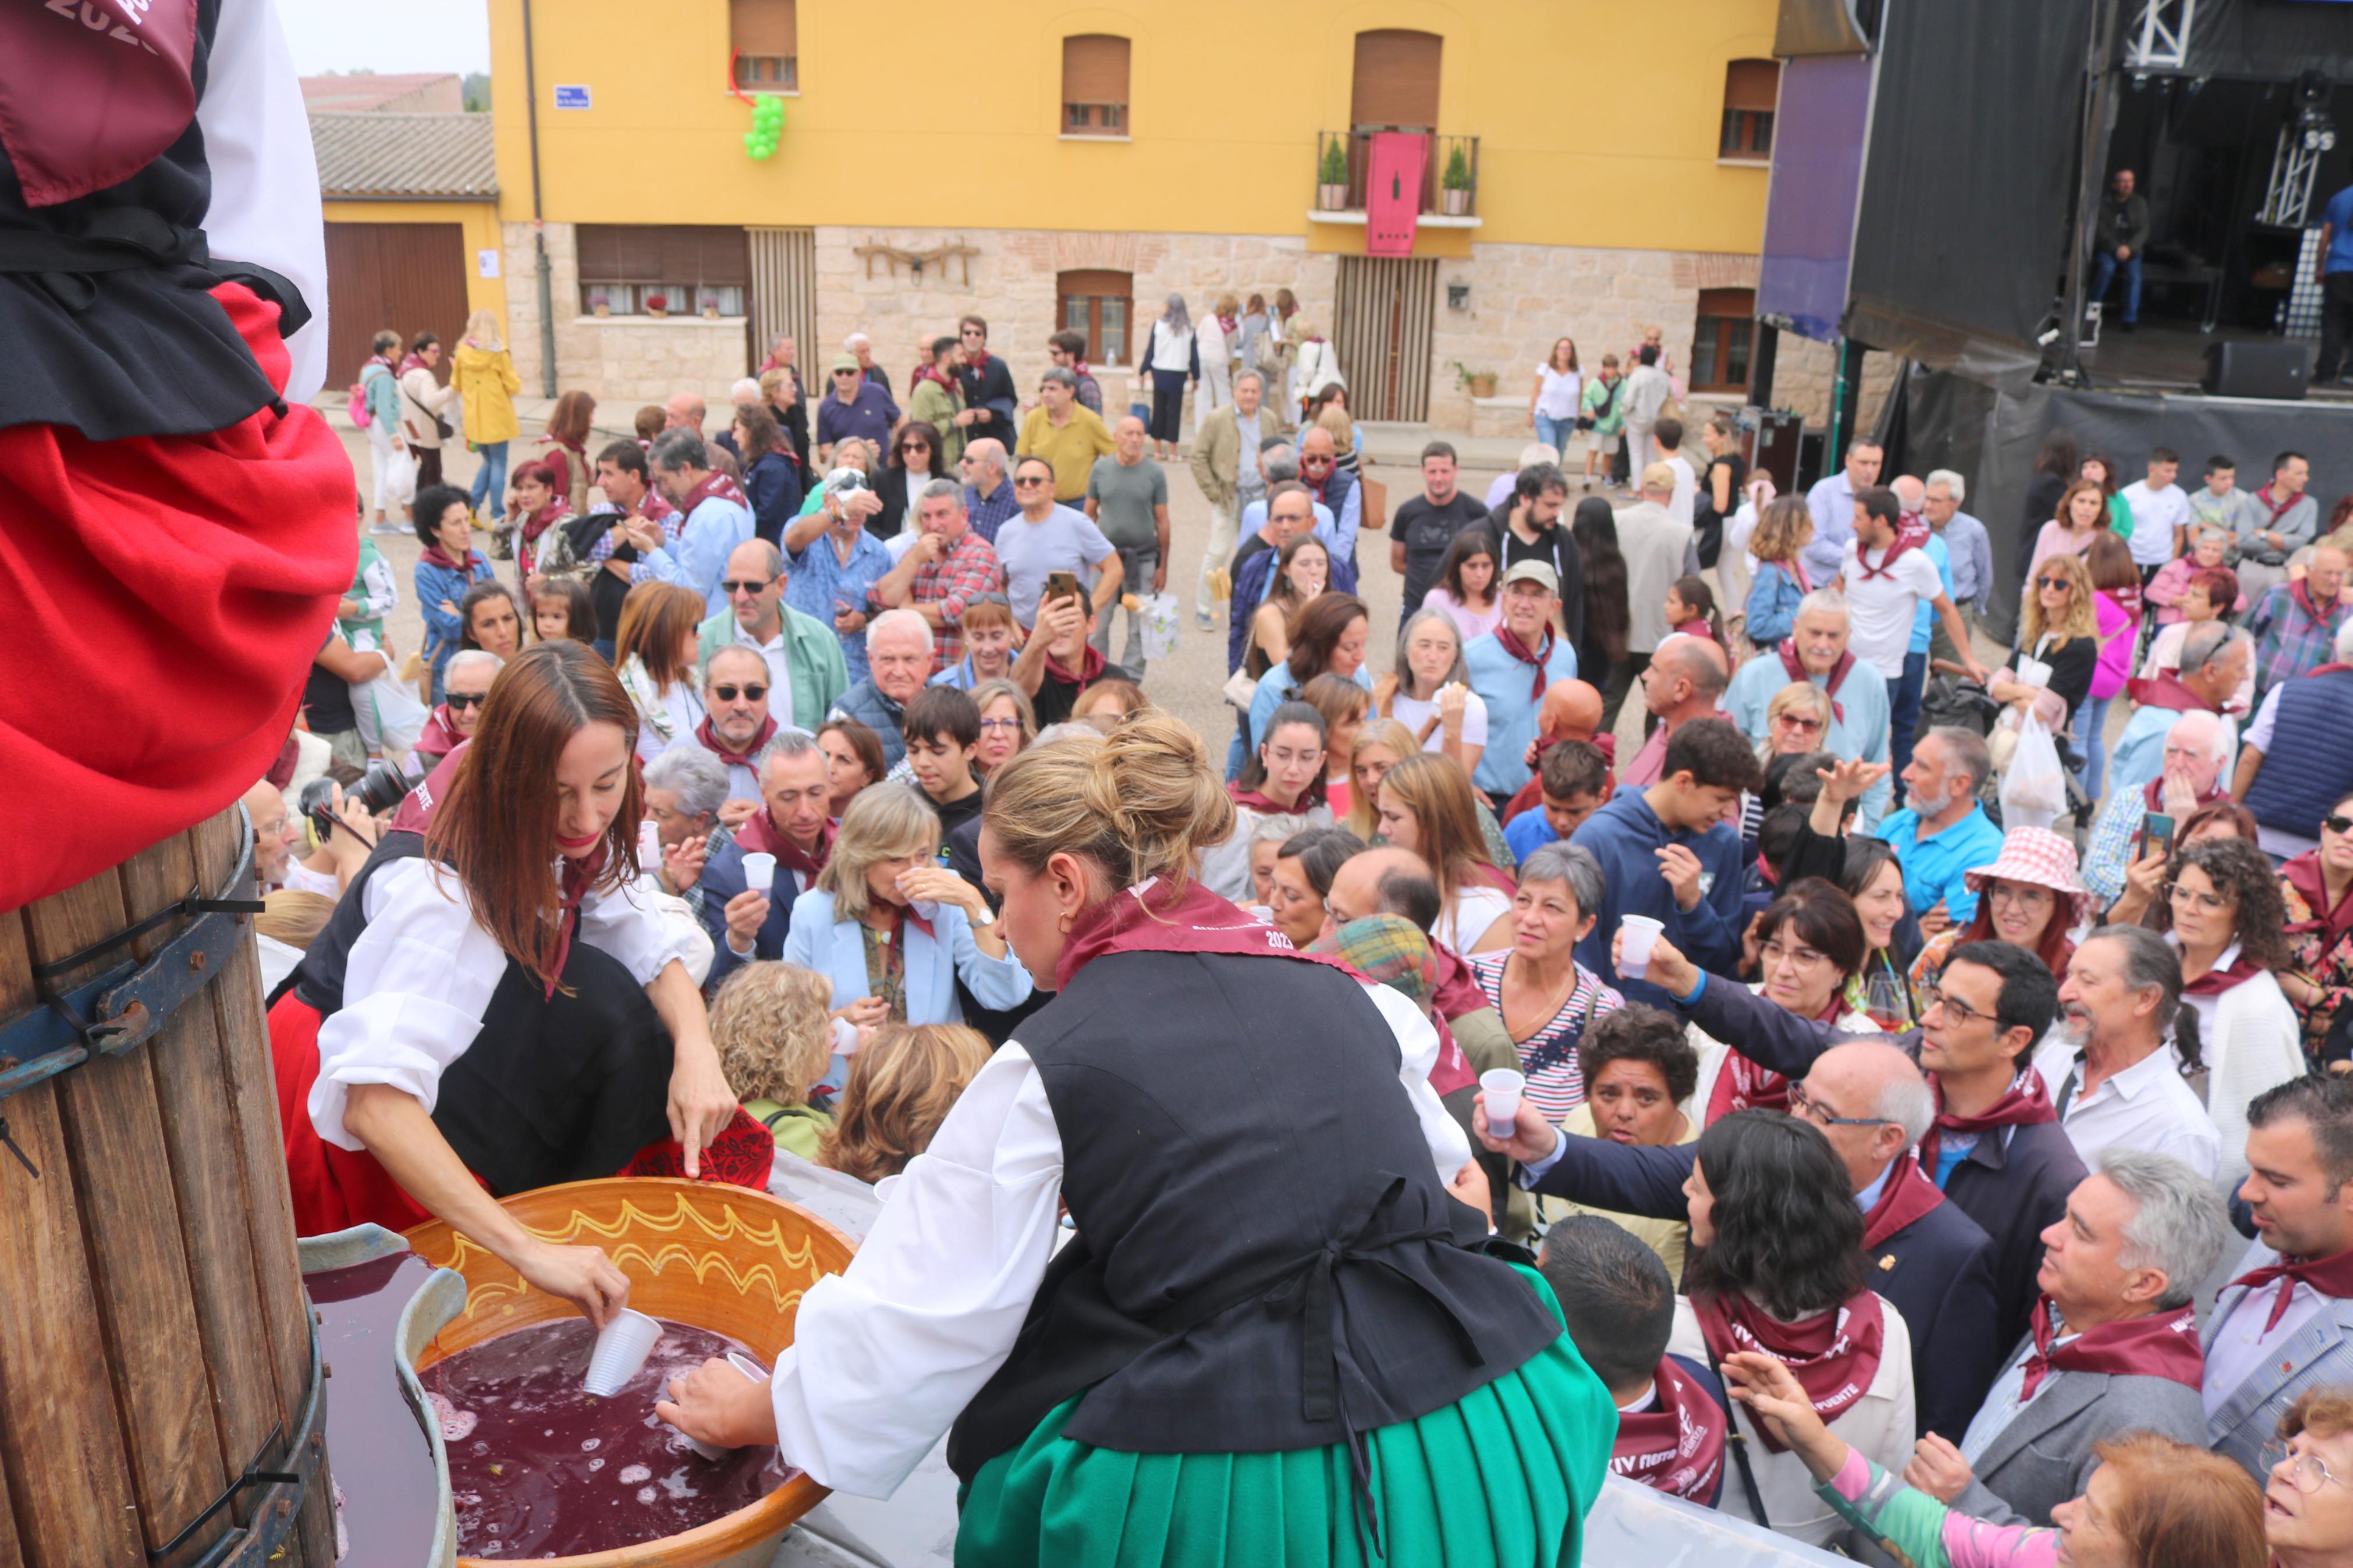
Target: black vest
553,1089
1265,1261
104,323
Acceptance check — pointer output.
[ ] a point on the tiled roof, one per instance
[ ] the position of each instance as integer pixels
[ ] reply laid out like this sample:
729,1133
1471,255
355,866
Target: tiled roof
364,156
375,92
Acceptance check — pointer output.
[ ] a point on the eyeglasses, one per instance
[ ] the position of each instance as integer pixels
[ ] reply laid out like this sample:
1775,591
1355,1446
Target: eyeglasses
2026,897
914,447
1803,957
1959,1012
1806,1105
1793,722
746,584
466,698
1000,725
2309,1472
749,693
2337,823
1030,481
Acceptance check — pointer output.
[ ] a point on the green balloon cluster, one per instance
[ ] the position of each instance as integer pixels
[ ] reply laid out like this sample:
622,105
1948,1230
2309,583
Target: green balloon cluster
767,126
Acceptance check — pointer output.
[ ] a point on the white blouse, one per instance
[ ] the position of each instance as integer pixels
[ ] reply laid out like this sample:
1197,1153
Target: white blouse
1477,905
419,978
928,1310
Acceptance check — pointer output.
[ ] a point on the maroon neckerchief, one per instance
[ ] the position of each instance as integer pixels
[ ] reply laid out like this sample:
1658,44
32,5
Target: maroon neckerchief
2278,509
1833,1355
412,362
439,737
1091,666
2301,591
2302,874
2163,1344
2332,1277
2153,791
1511,645
2164,690
720,749
2216,981
759,836
925,372
1458,989
654,508
1227,325
713,483
535,524
1741,1085
1257,800
2127,598
1911,533
1795,668
1907,1194
2026,1103
1677,1449
94,92
975,358
435,556
1154,917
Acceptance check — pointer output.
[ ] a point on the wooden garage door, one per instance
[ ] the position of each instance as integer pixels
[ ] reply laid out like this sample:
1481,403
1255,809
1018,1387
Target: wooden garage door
408,276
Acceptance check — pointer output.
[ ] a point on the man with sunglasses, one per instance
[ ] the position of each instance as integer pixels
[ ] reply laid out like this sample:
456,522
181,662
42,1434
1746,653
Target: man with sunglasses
807,671
987,383
1926,1256
453,721
1047,537
856,408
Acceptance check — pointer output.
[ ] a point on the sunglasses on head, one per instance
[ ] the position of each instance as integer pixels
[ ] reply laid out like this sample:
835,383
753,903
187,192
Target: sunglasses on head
745,585
474,699
729,693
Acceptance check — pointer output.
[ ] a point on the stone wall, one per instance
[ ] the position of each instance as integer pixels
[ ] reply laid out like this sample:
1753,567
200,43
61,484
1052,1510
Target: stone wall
1803,371
624,360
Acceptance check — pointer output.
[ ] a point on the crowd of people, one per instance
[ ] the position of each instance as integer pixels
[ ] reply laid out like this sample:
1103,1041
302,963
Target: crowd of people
1928,1114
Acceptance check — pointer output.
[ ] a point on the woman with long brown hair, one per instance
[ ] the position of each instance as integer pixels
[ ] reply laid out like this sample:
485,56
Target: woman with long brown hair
2083,511
563,447
1426,805
496,1005
1327,638
654,657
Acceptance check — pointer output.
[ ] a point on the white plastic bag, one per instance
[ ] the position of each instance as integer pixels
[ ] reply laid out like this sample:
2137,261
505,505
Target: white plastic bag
1161,627
2034,787
400,476
391,717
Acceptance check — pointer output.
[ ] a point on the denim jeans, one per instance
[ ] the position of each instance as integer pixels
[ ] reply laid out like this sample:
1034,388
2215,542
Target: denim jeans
1555,433
490,478
1903,716
2090,740
2104,270
1139,564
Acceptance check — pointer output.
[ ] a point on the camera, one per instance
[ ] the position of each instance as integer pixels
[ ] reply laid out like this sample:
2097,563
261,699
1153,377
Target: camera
379,789
842,481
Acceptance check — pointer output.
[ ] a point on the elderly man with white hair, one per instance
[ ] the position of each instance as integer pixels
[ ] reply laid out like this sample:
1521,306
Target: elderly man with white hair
2291,792
1965,537
1532,454
1816,651
465,684
859,347
2196,772
685,787
899,660
2215,660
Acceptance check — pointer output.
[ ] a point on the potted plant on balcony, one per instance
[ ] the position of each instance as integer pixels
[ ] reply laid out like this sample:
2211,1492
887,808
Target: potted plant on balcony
710,310
601,304
657,306
1455,187
1332,178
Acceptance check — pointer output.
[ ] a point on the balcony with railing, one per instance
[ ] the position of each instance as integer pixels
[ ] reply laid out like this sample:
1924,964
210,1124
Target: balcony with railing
1450,178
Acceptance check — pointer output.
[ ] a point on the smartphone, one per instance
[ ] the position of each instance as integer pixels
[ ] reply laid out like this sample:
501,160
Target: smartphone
1059,585
2156,835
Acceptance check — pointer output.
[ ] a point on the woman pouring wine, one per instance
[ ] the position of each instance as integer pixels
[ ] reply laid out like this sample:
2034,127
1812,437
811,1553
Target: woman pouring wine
1272,1325
493,1007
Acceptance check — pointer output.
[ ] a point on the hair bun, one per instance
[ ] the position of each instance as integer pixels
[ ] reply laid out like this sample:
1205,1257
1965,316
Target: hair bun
1152,778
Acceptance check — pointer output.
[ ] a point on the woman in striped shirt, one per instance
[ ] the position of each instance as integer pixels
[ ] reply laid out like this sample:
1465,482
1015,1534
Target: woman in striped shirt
1546,998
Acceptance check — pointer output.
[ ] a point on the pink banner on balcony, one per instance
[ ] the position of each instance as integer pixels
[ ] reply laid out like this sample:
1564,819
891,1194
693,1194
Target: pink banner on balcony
1393,192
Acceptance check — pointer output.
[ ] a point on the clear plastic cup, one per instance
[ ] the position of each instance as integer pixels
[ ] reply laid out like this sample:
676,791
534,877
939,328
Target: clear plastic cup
754,1373
622,1347
759,872
1503,1087
1641,934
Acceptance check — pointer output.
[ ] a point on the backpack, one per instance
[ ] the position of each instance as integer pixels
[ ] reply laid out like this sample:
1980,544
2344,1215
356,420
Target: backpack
357,404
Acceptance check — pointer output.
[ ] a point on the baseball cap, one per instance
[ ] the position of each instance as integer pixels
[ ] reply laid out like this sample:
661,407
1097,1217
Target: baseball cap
845,362
1533,572
1659,477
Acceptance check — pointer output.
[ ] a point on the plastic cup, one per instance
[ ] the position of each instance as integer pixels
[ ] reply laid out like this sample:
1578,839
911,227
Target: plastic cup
1641,932
753,1373
1260,913
1503,1087
759,872
627,1339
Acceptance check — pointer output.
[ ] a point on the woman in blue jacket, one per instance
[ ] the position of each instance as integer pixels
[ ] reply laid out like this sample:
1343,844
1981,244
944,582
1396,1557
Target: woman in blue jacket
887,921
449,567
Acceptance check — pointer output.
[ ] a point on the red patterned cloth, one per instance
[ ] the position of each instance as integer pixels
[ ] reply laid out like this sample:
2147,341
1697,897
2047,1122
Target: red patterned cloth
171,592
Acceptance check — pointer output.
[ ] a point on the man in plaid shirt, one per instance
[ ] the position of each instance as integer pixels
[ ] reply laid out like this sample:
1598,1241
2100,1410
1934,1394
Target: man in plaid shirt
2295,624
943,571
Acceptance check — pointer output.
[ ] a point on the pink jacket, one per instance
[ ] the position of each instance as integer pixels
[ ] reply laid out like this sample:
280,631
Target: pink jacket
2171,585
2119,632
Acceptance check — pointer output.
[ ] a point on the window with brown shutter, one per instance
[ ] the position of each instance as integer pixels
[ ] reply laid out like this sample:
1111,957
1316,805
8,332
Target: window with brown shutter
1094,85
766,36
1099,304
1396,82
1720,340
1751,89
626,268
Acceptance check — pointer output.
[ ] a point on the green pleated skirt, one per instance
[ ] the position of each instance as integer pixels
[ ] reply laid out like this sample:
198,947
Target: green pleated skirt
1501,1479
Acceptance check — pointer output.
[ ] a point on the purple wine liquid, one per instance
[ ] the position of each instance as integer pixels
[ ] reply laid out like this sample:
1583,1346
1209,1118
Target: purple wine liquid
382,1465
539,1467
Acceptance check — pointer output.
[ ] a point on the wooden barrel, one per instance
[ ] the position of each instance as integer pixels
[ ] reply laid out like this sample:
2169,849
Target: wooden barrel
156,1346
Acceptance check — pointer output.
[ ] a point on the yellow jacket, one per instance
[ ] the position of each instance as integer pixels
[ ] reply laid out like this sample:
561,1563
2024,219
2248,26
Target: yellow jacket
486,379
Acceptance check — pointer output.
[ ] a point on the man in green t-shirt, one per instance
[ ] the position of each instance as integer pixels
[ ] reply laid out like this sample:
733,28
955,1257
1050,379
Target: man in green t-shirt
1127,498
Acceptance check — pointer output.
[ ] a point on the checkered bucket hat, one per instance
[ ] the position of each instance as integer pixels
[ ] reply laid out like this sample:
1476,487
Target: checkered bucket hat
2038,856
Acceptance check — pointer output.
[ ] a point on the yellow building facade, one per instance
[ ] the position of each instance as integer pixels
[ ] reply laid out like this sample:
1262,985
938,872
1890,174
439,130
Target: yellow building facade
1591,171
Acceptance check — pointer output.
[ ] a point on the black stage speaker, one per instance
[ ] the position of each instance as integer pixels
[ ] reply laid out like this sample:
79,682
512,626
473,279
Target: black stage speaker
2265,368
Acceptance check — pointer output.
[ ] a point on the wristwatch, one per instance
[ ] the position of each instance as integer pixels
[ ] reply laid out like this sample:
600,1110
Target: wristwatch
985,916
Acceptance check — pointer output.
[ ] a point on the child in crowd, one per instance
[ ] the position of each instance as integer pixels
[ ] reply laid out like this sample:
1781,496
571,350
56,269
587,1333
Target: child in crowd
941,728
561,609
775,1040
989,642
649,423
1691,611
1104,704
901,1087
